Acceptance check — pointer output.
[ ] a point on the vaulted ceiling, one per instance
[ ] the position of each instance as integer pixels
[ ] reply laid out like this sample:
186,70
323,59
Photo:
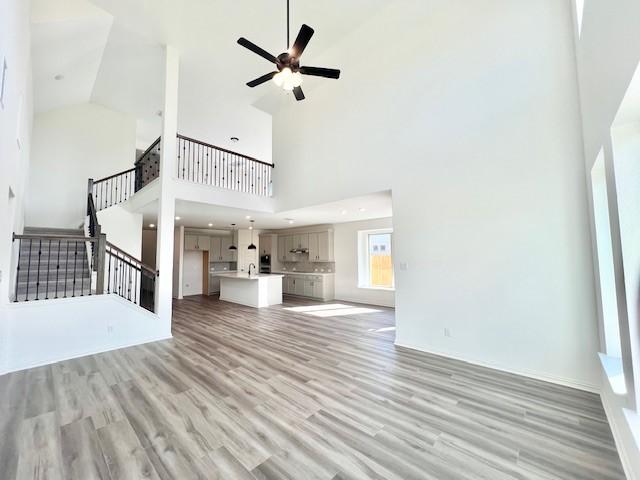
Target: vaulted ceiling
110,52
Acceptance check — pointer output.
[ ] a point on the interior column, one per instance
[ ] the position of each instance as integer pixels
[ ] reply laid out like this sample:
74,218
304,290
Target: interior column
167,200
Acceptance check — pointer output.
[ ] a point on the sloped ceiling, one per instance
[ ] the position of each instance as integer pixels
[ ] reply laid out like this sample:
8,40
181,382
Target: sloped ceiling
111,52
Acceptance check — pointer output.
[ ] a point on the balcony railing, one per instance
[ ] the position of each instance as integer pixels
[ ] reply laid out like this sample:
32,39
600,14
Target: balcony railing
207,164
197,162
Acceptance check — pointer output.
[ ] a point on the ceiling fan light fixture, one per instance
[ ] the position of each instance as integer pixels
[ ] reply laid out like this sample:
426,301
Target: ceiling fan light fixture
287,79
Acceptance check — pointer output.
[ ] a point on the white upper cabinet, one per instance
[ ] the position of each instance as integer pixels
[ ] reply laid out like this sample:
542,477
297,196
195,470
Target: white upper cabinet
282,249
196,242
288,245
191,242
265,245
301,241
203,243
218,247
214,252
321,247
227,255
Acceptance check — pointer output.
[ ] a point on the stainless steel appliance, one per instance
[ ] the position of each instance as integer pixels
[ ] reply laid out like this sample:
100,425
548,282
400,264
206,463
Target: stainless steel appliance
265,263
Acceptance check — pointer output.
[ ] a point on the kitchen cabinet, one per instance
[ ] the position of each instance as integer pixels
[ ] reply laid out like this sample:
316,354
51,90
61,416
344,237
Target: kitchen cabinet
227,255
204,242
321,247
308,288
218,247
301,241
317,289
265,244
282,251
214,251
190,242
214,284
311,286
288,245
196,242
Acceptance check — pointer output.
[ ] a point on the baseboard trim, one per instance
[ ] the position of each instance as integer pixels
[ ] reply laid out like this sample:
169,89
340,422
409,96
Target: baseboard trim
363,302
621,446
84,354
565,382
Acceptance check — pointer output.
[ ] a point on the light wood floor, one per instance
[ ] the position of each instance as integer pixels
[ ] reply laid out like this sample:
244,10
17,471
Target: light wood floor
247,394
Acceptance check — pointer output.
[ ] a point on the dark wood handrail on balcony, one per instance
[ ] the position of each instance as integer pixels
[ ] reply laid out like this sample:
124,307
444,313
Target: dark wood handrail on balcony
230,152
207,164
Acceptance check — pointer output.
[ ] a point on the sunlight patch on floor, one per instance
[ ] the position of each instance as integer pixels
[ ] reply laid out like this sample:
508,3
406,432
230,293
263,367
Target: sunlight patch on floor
332,310
384,329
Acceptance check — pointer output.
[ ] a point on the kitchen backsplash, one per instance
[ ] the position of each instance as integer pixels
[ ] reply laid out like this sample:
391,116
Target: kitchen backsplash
222,266
309,267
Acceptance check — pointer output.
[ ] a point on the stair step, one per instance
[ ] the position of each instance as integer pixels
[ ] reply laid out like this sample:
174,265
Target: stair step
52,231
31,296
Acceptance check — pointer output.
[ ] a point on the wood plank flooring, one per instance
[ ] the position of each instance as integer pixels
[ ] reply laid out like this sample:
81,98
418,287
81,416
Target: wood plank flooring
293,394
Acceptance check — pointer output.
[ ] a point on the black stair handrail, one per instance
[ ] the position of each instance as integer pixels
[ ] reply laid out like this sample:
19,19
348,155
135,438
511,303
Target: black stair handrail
129,278
46,250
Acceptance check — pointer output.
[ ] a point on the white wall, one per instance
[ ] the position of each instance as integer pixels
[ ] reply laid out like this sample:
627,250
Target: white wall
71,145
345,249
55,330
479,139
16,117
123,229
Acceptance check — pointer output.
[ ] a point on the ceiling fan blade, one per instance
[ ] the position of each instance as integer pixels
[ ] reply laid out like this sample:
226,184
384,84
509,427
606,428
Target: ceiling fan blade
304,35
261,80
297,91
320,72
256,49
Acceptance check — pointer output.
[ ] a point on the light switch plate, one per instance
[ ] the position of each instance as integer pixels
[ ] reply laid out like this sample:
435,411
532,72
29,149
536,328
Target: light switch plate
404,266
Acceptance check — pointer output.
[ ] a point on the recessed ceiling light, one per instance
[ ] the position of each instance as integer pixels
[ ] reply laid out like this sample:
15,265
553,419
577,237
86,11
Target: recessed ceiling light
362,209
290,222
234,139
152,225
211,224
343,212
248,217
59,77
177,218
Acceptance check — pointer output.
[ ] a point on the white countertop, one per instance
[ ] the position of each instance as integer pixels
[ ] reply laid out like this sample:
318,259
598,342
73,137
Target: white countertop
303,273
245,276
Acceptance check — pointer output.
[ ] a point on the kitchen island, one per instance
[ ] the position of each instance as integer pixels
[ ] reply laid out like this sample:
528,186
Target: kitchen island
258,290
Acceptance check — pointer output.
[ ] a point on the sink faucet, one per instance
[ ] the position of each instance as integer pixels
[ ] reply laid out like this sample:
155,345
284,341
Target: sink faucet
251,265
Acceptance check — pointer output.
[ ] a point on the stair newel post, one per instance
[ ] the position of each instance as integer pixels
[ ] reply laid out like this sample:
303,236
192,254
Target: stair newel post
100,255
89,192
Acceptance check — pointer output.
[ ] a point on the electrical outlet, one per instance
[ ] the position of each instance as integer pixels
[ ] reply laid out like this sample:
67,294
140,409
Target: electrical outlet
404,266
447,332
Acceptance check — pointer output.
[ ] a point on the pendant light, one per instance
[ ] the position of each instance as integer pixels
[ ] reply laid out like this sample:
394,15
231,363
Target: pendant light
252,246
233,229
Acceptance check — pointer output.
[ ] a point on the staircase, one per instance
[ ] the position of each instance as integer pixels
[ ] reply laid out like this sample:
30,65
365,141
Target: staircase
52,263
59,263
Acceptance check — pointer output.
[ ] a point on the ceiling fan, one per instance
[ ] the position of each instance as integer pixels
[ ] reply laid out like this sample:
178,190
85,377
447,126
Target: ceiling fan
289,71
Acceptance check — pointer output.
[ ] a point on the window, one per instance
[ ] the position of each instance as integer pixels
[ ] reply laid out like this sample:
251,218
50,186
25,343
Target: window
605,258
579,15
375,261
